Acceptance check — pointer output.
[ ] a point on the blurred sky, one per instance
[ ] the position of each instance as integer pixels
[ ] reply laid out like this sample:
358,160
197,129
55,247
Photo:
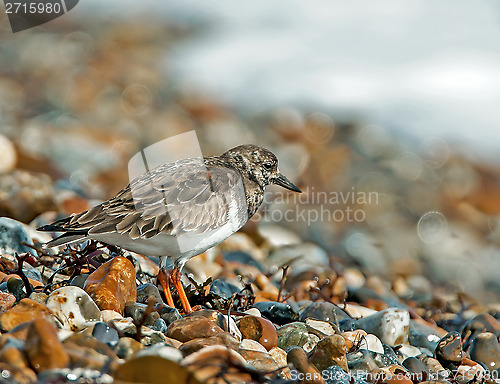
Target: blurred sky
420,68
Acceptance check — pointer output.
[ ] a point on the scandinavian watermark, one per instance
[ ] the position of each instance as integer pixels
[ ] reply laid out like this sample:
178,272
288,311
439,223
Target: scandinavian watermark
317,206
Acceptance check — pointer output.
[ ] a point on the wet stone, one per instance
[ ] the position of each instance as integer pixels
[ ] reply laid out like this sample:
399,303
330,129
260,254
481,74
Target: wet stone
80,280
127,347
25,310
7,301
483,322
168,314
260,360
189,328
259,329
330,351
105,333
485,349
363,360
195,345
137,311
423,336
112,285
293,334
43,347
319,328
391,326
163,350
278,313
414,365
147,292
449,349
300,363
39,297
223,289
12,236
73,307
323,311
160,325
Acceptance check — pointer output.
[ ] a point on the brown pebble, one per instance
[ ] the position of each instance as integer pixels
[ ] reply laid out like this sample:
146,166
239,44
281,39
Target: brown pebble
259,329
449,349
298,358
43,347
7,301
112,285
189,328
259,360
485,349
218,362
25,310
330,350
195,345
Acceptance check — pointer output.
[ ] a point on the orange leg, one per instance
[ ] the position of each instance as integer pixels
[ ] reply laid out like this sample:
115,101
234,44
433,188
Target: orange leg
176,280
164,280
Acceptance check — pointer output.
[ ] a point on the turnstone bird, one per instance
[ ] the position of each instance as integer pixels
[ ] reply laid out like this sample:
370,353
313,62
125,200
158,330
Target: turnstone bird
179,210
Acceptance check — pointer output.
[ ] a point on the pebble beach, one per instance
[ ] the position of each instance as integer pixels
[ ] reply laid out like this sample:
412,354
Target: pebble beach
383,271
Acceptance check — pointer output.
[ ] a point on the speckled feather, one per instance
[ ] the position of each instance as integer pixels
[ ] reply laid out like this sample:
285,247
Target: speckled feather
189,196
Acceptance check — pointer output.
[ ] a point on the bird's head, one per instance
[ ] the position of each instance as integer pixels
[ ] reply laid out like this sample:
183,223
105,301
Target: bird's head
259,164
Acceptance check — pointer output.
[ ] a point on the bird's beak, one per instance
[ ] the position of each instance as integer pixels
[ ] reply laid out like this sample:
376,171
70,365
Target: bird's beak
282,181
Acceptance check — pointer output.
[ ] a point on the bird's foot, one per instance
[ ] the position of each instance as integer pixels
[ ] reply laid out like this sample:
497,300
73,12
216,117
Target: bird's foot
166,278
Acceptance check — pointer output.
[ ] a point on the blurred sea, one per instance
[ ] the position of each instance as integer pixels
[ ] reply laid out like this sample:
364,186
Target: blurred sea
419,68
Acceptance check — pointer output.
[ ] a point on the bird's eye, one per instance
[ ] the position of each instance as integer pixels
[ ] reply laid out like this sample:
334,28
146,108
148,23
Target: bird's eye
268,166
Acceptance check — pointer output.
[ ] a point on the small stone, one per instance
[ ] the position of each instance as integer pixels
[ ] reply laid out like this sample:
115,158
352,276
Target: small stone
24,195
126,347
449,349
279,313
106,334
391,326
73,307
189,328
424,335
25,310
259,329
252,345
137,311
80,280
374,344
146,292
13,235
168,314
364,360
323,311
298,359
335,375
483,322
152,370
218,362
195,345
293,334
485,349
406,351
7,301
432,364
43,347
223,289
260,360
356,340
109,314
414,365
163,350
330,350
319,328
112,285
39,297
85,357
160,325
227,323
89,341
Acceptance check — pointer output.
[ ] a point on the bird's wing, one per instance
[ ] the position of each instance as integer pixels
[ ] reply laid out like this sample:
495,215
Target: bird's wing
187,196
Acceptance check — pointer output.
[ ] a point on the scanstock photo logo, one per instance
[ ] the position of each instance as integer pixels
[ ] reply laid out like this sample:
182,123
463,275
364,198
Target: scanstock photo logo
25,14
